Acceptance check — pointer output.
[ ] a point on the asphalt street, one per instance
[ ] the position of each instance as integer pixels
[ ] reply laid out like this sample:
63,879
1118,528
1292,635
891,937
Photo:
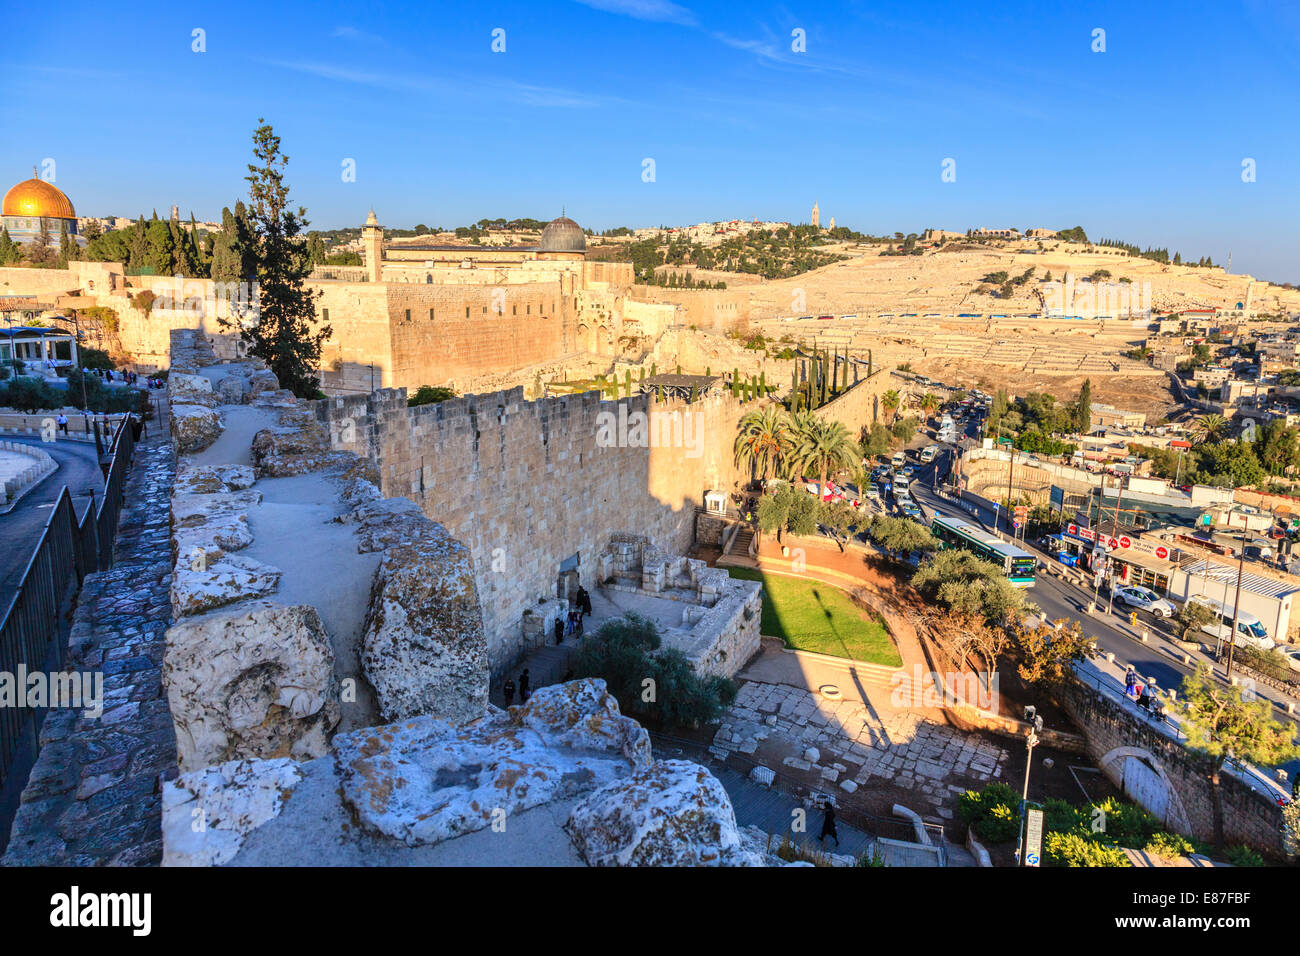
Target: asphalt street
1158,658
21,527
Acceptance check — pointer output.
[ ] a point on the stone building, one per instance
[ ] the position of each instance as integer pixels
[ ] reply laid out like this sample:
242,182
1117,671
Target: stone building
469,317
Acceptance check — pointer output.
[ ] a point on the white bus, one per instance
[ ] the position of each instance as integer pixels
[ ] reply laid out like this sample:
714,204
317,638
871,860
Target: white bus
1016,563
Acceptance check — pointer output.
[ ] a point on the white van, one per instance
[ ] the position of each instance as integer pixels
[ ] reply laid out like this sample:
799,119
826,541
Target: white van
1250,629
928,453
899,459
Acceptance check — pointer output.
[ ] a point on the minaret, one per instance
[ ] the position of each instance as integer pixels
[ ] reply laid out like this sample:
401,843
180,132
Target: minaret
372,241
816,216
831,227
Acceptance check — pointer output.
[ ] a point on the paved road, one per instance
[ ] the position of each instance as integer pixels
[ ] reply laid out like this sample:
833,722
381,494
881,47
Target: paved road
19,529
1158,658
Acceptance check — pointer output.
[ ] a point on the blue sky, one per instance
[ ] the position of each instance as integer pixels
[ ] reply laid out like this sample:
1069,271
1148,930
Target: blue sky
1143,142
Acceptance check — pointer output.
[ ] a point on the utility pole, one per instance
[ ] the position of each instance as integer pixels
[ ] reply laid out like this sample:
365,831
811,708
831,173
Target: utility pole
1011,469
1119,498
1236,607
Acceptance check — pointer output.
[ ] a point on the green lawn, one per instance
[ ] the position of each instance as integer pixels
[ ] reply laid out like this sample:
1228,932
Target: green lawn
812,616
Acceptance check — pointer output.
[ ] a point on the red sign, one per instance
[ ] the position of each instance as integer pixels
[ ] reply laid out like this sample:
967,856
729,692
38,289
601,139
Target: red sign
1179,443
1162,552
1125,542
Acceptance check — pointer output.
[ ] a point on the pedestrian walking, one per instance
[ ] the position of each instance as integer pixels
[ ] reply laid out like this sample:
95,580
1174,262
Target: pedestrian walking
559,630
63,423
524,690
509,690
1130,683
828,827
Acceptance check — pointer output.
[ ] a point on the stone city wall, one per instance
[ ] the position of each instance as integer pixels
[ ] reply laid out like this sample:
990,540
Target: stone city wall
717,309
445,336
1251,816
529,485
860,405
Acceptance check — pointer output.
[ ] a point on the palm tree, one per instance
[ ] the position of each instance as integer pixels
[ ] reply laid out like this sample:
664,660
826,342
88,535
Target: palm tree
823,447
929,403
1210,427
766,435
889,402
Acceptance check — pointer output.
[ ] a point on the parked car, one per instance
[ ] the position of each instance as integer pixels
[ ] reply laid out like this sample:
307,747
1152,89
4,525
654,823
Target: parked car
1292,655
1143,599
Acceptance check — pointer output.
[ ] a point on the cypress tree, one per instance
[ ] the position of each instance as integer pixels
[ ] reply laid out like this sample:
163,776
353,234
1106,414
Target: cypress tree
9,250
287,336
139,255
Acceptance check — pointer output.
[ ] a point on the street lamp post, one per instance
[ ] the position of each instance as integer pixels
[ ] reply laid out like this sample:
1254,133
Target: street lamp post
1031,741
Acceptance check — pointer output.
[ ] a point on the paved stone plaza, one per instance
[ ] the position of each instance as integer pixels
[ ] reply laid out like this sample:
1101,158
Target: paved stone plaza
853,746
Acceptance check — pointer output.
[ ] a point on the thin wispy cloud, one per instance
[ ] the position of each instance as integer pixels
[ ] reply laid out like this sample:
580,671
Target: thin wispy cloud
526,94
352,33
656,11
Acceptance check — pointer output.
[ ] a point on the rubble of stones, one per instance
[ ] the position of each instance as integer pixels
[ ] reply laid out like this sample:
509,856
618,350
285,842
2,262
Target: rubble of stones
255,695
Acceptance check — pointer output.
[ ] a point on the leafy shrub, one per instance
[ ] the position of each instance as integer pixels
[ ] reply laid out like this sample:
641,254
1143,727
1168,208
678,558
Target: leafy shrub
430,395
793,852
30,395
1169,846
1244,856
993,813
94,358
1128,824
1073,849
101,397
626,652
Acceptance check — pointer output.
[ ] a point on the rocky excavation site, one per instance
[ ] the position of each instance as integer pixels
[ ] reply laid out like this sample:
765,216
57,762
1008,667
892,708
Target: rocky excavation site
327,676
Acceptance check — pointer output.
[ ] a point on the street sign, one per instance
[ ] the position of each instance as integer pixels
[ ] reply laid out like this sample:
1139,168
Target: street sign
1033,837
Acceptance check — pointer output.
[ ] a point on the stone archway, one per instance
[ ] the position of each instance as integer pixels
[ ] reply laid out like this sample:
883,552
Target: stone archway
1138,781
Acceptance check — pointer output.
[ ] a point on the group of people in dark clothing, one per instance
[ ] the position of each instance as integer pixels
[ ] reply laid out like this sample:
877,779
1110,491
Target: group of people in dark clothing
571,623
525,691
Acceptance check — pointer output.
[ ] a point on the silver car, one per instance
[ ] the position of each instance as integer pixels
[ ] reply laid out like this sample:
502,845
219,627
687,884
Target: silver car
1143,599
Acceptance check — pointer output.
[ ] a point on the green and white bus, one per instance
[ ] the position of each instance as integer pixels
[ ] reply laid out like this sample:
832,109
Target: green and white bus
1016,563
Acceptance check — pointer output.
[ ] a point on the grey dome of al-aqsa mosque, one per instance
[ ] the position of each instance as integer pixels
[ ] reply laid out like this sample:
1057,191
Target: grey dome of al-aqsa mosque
563,235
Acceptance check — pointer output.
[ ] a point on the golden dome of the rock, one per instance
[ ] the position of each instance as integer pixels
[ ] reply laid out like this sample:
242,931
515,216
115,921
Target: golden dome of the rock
36,197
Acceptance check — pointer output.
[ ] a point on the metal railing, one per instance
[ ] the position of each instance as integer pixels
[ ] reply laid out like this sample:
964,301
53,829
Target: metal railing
32,631
1252,776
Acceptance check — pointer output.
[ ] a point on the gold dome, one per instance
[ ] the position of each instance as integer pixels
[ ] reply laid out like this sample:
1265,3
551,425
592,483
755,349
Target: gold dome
36,197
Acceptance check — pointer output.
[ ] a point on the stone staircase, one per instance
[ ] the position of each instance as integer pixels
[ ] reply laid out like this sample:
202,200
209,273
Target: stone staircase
741,543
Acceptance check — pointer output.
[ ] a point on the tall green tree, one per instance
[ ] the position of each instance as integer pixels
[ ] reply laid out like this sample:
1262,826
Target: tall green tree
38,251
161,257
765,438
1083,409
68,249
286,334
10,252
890,402
139,254
1222,722
822,447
